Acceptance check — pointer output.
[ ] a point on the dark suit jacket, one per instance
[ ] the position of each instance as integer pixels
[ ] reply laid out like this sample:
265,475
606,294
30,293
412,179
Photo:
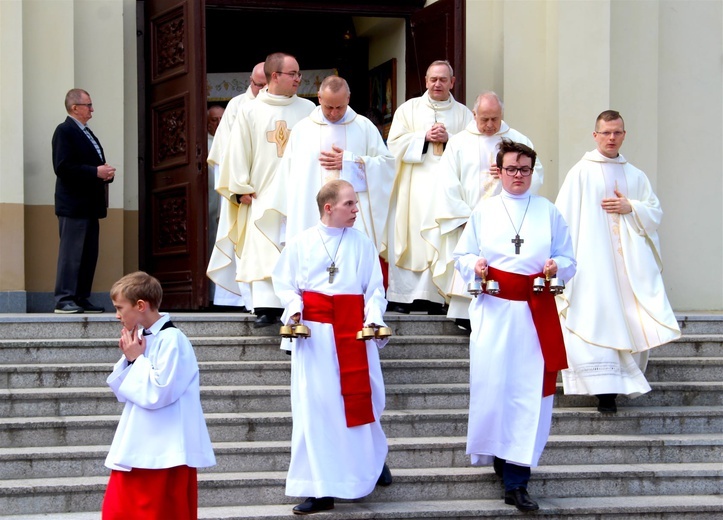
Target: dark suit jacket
79,193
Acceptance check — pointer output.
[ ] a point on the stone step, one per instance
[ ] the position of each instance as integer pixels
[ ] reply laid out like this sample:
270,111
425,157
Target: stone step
404,452
86,326
278,372
441,484
265,426
62,402
651,507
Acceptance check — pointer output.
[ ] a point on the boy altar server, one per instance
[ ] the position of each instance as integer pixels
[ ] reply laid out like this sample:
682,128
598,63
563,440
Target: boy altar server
162,437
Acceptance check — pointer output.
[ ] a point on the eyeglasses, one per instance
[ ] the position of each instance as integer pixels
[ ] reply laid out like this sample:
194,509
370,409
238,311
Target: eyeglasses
258,85
525,171
616,133
89,105
295,74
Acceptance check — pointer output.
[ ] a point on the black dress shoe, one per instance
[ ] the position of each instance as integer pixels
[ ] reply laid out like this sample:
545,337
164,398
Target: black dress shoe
314,505
402,308
521,500
68,308
264,320
606,403
436,309
385,479
89,307
464,324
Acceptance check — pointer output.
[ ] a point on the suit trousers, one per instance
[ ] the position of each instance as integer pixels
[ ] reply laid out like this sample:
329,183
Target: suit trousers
77,258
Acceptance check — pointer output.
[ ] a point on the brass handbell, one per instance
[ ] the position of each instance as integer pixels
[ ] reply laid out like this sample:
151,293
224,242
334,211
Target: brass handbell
286,331
383,333
538,284
557,285
492,287
301,331
475,288
365,334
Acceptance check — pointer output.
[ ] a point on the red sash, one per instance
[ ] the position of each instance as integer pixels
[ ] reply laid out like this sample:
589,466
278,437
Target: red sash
518,287
345,312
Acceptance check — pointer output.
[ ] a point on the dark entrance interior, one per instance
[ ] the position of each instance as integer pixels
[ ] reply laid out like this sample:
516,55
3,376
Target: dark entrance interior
237,39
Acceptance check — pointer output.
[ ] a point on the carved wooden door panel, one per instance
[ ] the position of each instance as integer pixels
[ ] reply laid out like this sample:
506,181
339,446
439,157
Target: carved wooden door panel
436,32
174,191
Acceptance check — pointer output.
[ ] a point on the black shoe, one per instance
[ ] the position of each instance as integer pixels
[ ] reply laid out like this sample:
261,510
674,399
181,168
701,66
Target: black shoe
89,307
68,308
464,324
385,479
606,403
401,308
521,500
314,505
498,464
436,309
264,320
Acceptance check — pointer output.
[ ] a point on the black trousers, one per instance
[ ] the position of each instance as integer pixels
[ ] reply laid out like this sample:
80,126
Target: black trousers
77,258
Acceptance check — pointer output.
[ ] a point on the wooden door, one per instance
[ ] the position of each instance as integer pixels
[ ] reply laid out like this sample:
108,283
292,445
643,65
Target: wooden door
434,33
174,193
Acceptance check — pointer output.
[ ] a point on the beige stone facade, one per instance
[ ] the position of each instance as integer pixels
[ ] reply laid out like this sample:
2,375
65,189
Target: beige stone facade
555,63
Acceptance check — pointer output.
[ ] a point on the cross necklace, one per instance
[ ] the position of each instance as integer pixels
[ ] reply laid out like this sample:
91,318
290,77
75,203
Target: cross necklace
332,269
517,240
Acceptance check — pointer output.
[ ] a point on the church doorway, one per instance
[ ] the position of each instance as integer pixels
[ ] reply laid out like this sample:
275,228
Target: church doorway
184,40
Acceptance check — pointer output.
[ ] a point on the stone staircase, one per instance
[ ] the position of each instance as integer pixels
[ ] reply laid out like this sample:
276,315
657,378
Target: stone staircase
661,456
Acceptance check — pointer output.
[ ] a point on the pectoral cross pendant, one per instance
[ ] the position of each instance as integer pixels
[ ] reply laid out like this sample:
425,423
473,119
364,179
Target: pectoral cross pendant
518,242
332,271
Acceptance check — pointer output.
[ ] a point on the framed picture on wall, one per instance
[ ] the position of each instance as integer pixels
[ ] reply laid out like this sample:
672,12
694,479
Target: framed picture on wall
383,94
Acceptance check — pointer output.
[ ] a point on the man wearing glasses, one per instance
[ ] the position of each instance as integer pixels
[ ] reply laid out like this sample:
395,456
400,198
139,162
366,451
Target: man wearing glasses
516,345
228,292
256,144
468,173
81,199
616,309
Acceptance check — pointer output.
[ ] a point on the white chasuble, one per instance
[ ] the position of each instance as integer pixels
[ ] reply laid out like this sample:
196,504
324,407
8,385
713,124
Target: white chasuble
255,148
223,260
367,165
508,417
620,273
463,180
410,257
327,457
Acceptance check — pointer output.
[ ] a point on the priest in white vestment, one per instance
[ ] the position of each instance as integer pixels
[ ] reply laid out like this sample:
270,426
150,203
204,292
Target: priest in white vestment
616,309
420,129
516,344
467,173
256,145
228,292
329,278
333,142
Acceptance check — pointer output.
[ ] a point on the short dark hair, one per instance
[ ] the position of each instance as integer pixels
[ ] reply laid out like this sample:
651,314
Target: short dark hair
329,193
138,286
609,115
509,146
273,63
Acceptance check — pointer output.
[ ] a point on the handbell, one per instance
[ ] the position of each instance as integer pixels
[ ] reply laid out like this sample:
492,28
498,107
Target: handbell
383,333
493,287
286,331
301,331
475,288
538,284
557,285
365,334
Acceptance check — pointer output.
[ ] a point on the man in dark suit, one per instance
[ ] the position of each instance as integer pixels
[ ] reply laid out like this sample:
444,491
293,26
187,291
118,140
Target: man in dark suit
81,199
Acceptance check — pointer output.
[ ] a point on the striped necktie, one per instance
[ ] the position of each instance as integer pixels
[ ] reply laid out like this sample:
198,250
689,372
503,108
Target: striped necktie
92,140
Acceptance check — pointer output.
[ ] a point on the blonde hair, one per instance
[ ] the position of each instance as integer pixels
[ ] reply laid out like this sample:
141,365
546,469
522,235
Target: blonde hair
138,286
